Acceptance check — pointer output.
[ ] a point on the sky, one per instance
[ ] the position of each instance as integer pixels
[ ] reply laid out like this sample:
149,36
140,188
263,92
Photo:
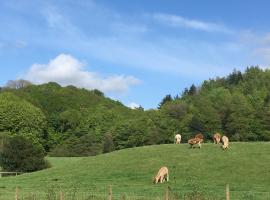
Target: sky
137,51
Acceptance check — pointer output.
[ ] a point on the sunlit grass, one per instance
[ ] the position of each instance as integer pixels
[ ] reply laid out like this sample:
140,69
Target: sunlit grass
245,167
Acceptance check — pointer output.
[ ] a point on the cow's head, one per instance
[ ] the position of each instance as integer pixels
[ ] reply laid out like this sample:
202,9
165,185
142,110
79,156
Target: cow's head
155,179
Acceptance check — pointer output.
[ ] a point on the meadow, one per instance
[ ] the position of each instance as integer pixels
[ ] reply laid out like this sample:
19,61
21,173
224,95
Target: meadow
203,172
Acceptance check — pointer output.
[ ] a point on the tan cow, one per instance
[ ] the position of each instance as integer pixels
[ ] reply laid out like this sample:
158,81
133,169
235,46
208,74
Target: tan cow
162,175
200,136
216,138
195,141
177,139
225,141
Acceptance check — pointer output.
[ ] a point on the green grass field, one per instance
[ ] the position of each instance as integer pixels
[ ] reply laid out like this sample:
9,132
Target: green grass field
245,167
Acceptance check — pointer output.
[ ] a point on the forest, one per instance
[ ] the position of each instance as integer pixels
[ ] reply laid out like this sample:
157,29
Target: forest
70,121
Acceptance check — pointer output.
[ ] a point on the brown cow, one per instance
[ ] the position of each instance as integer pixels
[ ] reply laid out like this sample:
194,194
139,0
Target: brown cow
216,138
194,141
162,175
225,141
200,136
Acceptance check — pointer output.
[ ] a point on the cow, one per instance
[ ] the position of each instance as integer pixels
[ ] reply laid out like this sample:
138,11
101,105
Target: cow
216,138
162,175
200,136
177,139
194,141
225,141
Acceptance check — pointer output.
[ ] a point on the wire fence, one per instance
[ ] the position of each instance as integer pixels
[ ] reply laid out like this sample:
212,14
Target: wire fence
165,193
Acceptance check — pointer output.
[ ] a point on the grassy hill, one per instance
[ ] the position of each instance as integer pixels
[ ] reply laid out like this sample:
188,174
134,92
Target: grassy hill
245,166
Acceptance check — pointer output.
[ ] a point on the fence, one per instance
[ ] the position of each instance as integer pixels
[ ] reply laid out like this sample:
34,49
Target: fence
167,195
10,173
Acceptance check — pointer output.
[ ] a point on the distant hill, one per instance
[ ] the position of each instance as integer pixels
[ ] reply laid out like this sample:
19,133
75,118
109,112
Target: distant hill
79,122
52,98
70,111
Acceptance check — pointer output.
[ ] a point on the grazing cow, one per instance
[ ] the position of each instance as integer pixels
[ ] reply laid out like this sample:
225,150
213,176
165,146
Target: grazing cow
194,141
225,141
216,138
162,175
177,139
200,136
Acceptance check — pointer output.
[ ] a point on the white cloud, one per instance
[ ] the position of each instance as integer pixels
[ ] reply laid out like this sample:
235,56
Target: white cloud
133,105
179,21
67,70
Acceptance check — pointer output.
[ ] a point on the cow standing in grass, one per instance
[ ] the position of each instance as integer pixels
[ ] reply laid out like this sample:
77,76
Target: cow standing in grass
177,139
216,138
225,141
195,141
162,175
199,136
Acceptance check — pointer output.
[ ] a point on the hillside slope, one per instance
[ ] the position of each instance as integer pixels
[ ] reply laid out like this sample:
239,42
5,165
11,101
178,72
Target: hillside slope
245,166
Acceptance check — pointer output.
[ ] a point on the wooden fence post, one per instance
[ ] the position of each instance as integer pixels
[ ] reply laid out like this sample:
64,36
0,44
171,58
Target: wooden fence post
61,195
227,192
167,194
110,193
17,194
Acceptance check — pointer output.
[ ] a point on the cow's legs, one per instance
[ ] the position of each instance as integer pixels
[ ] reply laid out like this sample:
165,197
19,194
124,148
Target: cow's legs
161,179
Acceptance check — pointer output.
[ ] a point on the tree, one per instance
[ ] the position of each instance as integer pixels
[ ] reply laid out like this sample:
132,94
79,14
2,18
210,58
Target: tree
85,145
21,154
241,118
176,109
69,119
192,90
108,144
21,117
17,84
98,92
205,117
166,99
234,78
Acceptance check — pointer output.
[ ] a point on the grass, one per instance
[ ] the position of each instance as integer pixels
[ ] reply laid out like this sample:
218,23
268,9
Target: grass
245,166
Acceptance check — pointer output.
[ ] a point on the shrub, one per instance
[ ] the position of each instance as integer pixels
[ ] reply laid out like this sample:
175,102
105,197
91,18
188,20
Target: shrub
21,154
73,146
108,144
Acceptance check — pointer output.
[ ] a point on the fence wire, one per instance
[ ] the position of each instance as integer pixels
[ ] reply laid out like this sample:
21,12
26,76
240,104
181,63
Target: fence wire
130,193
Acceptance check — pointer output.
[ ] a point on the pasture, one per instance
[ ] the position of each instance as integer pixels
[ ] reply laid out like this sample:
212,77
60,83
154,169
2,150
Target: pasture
206,171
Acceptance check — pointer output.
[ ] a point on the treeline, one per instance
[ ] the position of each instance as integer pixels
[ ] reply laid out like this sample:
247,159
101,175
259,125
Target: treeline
237,105
69,121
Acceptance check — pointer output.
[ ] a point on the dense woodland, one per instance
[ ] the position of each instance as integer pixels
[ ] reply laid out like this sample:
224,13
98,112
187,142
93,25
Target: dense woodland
69,121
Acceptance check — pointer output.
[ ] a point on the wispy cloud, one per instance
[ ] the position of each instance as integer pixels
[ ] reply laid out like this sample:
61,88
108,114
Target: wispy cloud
57,21
258,45
179,21
123,28
67,70
12,45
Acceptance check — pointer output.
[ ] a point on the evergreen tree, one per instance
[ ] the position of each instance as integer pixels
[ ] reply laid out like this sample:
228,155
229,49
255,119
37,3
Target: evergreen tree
166,99
192,90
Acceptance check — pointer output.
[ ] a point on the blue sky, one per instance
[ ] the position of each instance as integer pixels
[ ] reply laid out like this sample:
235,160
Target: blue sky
134,51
